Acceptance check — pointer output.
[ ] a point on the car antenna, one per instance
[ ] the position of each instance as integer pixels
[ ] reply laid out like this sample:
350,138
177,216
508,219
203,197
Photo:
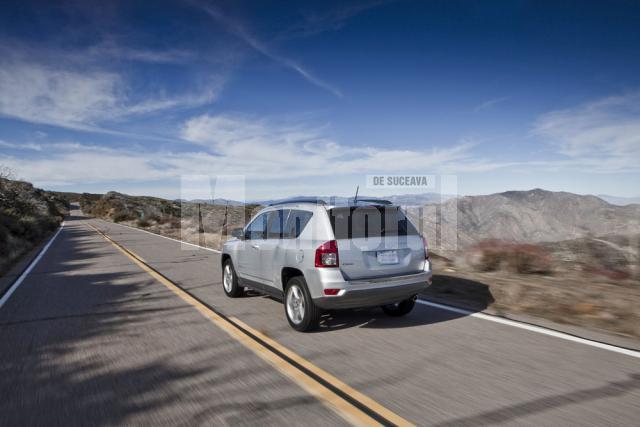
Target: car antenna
355,199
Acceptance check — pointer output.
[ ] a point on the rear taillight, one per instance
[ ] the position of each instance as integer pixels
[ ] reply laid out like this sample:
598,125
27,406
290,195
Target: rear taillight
327,254
426,247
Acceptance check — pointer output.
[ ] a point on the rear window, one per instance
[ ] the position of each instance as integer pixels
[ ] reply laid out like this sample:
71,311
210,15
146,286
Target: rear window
370,221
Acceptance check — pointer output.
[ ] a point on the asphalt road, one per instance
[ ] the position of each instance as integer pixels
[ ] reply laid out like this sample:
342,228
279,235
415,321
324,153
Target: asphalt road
91,338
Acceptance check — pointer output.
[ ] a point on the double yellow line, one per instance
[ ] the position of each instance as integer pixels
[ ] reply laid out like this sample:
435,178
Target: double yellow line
350,404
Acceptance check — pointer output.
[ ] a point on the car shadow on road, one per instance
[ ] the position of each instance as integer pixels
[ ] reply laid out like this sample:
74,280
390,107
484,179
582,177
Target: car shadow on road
471,295
444,290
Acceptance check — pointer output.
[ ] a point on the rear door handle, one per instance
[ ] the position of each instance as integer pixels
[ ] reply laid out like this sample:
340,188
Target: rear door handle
255,246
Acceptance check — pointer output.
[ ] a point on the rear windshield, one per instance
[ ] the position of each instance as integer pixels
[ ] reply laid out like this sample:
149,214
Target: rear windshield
370,221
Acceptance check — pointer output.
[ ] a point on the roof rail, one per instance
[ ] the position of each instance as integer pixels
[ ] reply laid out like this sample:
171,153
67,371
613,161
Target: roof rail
372,201
313,200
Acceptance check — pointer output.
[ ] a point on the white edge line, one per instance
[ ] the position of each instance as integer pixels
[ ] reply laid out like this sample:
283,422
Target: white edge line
24,274
533,328
164,237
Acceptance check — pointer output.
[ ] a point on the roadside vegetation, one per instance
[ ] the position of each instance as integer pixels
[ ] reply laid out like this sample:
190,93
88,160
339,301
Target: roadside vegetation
27,216
176,219
590,281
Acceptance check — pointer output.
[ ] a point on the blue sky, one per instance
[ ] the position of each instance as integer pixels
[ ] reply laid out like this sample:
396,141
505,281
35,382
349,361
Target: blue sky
310,98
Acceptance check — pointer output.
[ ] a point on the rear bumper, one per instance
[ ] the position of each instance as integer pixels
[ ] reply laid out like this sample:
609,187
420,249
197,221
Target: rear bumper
376,292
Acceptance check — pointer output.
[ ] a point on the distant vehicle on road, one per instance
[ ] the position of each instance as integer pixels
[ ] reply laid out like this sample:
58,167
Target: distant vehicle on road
316,256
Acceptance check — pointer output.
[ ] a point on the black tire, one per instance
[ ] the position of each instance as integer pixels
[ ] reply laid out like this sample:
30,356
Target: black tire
235,290
400,309
311,317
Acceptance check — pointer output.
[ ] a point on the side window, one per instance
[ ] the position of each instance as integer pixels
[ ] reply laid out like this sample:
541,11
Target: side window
276,223
257,229
296,222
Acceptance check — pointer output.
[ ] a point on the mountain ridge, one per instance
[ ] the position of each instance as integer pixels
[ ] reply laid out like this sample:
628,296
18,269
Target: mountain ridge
532,216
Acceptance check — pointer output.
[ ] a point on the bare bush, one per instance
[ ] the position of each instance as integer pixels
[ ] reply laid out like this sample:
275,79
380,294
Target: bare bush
6,172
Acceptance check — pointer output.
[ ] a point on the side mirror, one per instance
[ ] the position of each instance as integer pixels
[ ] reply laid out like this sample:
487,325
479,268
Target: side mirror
238,233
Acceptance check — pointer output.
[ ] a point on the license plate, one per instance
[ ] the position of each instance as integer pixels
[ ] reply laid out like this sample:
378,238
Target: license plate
387,257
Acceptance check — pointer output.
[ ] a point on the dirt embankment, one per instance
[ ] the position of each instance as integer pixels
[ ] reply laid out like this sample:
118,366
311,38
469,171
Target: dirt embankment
27,216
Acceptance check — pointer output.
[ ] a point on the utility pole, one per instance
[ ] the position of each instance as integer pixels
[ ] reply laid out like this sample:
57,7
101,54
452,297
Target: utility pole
200,228
223,231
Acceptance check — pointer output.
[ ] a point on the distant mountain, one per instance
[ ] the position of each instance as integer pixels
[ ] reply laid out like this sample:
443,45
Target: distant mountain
620,201
419,199
524,216
219,201
533,216
401,199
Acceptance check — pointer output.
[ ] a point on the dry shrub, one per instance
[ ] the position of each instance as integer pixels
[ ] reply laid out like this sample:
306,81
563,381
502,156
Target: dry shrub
528,259
120,216
152,217
609,273
171,221
143,223
522,258
585,308
606,256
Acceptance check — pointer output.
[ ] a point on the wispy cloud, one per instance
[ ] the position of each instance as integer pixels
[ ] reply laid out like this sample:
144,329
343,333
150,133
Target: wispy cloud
41,94
259,46
603,135
490,103
21,146
152,56
86,97
262,150
331,20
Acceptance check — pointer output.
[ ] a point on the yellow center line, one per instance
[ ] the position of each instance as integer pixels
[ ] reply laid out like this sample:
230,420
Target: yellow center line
367,411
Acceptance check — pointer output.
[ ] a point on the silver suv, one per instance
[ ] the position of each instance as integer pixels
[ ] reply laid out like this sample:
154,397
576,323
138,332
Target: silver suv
316,256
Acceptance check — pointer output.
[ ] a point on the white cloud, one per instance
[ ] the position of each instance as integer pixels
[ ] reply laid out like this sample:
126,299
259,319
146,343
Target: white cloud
83,97
603,135
42,94
262,149
78,163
